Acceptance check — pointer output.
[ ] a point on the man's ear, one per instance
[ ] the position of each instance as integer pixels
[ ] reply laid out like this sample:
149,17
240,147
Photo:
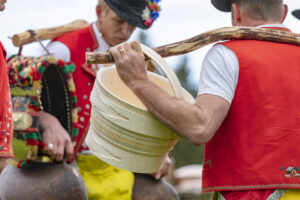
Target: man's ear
99,11
236,14
286,10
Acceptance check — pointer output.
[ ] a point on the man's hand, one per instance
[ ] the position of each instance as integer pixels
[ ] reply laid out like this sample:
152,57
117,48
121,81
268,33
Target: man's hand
130,63
56,137
164,170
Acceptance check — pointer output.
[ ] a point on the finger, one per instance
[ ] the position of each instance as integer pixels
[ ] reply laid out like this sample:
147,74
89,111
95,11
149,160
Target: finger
127,46
166,166
50,150
157,176
136,46
123,49
69,149
60,152
54,151
115,53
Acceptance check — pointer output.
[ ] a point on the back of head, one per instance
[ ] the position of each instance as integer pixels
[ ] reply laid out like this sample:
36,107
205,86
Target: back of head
262,10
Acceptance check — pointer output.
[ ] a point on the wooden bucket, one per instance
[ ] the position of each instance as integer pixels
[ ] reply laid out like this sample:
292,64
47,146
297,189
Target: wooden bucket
122,132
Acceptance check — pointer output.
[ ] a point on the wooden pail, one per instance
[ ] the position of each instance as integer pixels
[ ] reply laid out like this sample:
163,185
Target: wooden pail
122,132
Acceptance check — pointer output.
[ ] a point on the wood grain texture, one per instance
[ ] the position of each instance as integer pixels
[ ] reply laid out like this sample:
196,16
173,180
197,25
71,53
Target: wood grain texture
47,33
221,34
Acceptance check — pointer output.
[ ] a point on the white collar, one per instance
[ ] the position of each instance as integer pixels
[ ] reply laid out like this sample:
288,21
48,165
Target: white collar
272,25
103,46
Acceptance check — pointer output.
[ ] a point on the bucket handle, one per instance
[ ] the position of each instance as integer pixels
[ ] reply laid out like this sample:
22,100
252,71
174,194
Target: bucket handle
167,70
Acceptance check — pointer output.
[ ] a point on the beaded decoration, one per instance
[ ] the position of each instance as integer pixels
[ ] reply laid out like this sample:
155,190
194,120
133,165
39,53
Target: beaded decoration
27,72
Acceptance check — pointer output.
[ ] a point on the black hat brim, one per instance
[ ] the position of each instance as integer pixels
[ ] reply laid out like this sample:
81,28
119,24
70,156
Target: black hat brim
222,5
296,13
125,12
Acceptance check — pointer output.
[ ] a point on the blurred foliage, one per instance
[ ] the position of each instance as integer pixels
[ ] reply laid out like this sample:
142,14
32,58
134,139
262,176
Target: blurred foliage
184,152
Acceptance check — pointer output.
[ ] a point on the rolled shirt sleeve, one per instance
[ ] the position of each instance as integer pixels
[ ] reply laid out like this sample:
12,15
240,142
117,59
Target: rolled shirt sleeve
219,73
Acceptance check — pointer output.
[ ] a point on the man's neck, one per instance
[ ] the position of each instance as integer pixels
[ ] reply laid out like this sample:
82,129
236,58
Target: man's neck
252,23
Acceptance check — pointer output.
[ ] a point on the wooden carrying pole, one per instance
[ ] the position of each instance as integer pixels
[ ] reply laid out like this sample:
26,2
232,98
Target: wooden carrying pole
227,33
47,33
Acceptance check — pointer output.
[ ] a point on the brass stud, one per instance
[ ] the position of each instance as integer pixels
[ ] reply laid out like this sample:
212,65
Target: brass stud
82,119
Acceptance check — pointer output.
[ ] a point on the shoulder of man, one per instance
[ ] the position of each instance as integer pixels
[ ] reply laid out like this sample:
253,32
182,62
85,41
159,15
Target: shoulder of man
73,37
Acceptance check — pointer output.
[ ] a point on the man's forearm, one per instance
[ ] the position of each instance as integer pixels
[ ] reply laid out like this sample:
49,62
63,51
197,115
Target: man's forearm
186,119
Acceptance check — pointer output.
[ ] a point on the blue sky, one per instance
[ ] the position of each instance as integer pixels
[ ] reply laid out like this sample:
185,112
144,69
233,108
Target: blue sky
178,20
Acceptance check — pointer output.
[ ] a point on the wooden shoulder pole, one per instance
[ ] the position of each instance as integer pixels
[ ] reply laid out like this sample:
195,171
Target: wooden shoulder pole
47,33
227,33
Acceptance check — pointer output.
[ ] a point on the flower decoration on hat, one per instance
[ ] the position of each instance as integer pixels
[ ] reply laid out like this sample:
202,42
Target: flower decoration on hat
151,12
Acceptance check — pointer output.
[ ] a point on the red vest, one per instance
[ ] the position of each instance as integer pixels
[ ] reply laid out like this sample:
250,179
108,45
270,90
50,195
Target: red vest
256,147
79,42
6,126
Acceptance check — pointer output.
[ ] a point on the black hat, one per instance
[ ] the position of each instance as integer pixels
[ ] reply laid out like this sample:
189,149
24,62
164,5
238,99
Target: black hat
296,13
222,5
140,13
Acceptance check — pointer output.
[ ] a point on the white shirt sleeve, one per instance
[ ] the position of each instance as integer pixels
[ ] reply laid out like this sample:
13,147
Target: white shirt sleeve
219,73
59,50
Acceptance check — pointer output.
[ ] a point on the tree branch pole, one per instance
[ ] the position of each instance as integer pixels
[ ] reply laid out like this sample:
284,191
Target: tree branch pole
221,34
47,33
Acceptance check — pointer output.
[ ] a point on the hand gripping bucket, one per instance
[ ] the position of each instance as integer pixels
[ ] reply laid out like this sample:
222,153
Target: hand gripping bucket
122,132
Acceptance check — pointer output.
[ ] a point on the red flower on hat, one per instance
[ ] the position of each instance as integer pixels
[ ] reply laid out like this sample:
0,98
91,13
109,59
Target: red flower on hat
148,22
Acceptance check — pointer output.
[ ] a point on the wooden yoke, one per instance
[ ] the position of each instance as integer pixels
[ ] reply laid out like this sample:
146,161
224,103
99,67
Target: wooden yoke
227,33
47,33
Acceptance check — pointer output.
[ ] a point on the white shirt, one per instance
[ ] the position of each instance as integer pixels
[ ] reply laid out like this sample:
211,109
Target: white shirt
220,71
61,51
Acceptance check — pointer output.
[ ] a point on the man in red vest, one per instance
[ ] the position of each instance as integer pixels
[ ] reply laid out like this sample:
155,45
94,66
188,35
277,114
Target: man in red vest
247,113
116,21
6,128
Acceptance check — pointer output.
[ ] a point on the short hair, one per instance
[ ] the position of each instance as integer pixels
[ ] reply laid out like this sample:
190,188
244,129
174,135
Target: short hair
104,6
266,10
